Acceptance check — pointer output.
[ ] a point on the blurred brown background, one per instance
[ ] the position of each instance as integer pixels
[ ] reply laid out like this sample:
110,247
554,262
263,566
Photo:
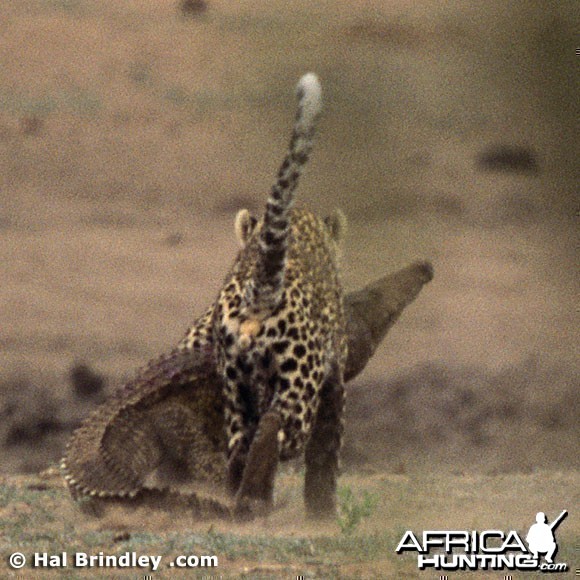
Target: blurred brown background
131,132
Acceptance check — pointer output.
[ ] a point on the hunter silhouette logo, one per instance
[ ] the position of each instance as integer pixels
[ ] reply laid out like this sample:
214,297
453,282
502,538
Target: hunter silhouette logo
541,538
487,549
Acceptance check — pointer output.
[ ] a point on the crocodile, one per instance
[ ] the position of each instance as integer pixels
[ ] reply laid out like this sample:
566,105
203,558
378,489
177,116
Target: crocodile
166,426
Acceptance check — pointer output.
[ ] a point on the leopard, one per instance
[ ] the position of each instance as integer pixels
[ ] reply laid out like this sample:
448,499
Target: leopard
278,334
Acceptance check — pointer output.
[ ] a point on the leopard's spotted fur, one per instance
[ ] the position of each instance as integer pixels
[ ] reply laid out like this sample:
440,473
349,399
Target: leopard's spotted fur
278,332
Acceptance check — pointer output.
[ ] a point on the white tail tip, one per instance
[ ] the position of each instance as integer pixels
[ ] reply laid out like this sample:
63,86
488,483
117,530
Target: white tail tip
309,94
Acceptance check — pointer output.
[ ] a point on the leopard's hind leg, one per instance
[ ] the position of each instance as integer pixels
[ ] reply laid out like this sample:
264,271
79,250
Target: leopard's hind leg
256,492
323,448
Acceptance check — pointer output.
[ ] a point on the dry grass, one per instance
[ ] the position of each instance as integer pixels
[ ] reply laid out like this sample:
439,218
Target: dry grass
37,515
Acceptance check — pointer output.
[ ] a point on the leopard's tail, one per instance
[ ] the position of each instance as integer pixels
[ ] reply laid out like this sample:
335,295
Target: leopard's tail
276,227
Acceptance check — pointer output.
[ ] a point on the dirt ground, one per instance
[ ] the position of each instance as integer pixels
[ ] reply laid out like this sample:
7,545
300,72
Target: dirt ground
38,516
132,131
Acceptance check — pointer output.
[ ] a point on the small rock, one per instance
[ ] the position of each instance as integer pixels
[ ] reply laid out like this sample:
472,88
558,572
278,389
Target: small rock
37,486
85,382
508,158
193,7
174,239
121,537
31,124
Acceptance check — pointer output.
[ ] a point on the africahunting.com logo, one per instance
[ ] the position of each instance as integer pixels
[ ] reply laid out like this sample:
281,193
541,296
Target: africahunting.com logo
487,550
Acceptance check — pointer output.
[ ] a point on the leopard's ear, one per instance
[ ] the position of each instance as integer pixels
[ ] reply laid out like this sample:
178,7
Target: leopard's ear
244,225
336,224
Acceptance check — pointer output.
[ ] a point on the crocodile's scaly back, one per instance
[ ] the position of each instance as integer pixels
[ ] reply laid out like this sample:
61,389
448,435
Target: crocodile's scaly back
172,411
